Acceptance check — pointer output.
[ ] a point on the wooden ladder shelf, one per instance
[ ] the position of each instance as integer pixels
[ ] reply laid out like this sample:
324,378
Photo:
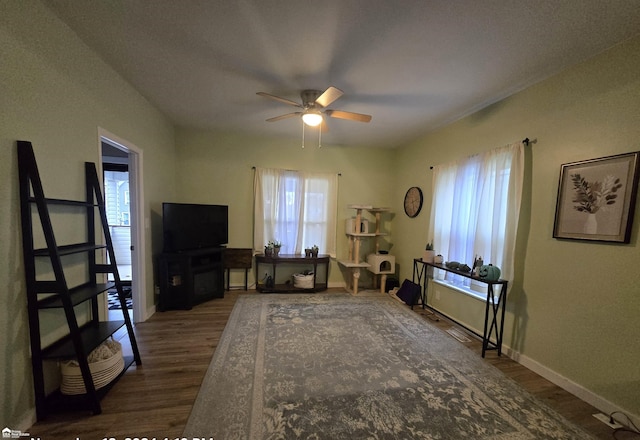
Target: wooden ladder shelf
84,334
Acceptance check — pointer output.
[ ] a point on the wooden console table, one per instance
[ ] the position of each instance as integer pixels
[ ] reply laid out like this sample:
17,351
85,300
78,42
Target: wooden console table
422,271
238,258
292,259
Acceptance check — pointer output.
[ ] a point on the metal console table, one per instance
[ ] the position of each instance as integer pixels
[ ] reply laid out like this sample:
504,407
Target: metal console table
493,322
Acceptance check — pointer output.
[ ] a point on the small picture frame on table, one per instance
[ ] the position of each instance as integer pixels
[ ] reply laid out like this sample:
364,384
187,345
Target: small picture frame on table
596,199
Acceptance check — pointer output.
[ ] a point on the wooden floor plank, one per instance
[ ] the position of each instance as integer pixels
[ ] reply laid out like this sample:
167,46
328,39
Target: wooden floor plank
176,347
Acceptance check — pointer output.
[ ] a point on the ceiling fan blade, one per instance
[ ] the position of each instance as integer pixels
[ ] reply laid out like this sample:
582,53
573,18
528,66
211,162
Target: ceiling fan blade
277,98
328,96
348,115
279,118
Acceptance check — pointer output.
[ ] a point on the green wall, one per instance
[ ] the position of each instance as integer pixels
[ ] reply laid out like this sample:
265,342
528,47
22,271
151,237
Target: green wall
55,92
216,167
573,308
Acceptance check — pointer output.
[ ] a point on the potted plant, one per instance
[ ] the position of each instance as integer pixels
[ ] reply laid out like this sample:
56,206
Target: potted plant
314,251
429,253
275,245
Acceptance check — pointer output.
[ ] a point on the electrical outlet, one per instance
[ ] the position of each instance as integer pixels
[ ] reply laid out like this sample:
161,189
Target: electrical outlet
437,295
606,420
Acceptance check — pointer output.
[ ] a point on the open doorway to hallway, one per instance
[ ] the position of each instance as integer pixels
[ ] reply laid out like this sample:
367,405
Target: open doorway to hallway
122,164
117,198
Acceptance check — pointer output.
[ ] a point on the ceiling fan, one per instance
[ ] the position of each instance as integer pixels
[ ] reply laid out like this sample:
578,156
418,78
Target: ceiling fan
314,105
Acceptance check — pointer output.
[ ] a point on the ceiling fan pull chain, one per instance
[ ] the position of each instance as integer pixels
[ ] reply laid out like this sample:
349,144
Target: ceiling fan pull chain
319,137
303,135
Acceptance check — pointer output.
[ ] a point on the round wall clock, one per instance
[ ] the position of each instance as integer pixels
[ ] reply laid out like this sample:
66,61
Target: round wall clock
413,201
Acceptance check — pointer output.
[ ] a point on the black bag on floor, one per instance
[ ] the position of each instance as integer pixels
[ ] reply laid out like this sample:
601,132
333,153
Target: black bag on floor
409,292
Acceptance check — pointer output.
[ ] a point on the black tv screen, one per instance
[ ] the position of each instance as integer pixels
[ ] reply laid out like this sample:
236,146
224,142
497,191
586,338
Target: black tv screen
188,226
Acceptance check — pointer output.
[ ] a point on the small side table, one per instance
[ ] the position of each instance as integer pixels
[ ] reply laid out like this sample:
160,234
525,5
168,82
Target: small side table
238,258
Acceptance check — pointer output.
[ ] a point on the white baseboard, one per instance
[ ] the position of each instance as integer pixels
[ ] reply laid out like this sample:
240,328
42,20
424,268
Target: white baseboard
566,384
149,313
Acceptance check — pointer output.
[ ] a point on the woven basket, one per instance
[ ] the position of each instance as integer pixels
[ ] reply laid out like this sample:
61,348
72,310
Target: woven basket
102,371
303,281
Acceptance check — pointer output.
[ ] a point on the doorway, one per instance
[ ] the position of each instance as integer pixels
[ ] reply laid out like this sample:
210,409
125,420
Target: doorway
115,178
121,166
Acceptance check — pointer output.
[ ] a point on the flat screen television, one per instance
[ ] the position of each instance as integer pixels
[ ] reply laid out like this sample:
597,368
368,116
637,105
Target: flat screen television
188,226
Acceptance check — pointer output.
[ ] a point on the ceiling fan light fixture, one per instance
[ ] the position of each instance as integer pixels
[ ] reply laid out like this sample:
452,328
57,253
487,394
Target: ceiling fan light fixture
312,119
314,108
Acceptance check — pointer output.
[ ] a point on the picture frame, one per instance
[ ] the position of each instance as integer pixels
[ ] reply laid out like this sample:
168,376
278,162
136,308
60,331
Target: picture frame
596,199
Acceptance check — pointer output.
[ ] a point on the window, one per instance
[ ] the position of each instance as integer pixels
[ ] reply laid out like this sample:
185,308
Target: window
476,205
296,208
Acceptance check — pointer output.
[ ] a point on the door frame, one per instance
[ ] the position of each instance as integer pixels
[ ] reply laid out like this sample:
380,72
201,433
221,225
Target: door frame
136,194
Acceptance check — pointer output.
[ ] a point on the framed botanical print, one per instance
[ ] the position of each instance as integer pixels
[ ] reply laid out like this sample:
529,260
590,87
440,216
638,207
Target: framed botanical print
596,199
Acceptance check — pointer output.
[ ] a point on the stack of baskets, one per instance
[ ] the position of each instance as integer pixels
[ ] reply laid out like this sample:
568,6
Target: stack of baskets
105,363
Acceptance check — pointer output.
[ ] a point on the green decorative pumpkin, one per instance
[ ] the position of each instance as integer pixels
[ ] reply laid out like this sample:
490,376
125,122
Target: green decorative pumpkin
489,272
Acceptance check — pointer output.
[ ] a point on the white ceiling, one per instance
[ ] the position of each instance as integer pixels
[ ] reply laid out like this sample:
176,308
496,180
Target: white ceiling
412,64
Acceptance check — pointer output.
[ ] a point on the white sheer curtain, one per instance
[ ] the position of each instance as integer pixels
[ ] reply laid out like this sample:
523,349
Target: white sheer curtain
296,208
476,207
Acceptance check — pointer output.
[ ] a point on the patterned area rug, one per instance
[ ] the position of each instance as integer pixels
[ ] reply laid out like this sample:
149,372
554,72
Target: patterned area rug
114,303
337,366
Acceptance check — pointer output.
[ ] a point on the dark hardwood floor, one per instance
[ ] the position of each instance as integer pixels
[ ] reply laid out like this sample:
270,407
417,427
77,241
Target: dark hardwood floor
155,399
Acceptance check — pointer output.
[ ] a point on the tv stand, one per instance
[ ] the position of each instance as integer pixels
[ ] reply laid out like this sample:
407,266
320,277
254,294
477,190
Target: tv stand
190,277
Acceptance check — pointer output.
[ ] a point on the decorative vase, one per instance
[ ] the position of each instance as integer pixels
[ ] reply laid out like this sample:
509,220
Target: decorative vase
591,224
428,256
276,251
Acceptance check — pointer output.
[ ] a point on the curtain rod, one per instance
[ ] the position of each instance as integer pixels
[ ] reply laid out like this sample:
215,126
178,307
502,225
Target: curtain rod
253,168
525,141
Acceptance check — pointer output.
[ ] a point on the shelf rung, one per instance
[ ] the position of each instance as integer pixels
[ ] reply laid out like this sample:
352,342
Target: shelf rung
92,335
46,286
70,249
78,294
64,202
105,268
